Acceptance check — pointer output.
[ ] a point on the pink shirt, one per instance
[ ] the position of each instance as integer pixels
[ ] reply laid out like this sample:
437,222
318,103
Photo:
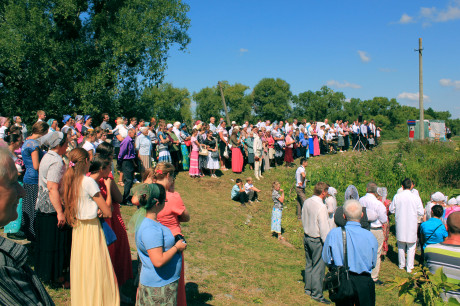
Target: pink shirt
194,145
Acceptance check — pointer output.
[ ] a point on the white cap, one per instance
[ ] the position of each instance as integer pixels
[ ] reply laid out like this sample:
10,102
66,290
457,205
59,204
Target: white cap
437,197
169,126
452,201
332,191
233,122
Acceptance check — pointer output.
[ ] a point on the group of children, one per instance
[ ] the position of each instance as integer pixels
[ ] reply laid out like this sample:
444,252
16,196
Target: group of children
247,193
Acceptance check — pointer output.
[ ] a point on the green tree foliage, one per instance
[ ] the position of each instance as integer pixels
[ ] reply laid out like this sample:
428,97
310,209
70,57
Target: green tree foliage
272,99
166,102
319,105
209,102
84,56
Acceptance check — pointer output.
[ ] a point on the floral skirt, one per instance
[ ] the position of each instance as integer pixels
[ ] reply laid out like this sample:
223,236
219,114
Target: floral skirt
185,157
277,213
166,295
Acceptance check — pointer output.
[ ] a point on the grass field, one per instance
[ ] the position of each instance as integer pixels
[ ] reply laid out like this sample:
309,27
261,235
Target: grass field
232,258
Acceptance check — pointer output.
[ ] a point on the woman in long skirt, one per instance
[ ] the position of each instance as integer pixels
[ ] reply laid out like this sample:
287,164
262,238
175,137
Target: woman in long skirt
31,155
163,145
92,277
194,155
316,146
237,156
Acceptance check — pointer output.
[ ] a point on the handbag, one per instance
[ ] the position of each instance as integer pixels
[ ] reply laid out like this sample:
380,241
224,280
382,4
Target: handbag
226,152
337,280
203,150
215,154
109,234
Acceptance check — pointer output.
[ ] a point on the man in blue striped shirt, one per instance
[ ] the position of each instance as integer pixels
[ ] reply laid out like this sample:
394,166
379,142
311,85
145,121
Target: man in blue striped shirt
362,249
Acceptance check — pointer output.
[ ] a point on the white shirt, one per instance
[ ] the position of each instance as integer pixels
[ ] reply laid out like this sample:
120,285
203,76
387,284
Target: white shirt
298,177
331,204
413,190
315,218
321,134
372,204
407,207
224,133
2,132
258,147
355,128
87,208
247,187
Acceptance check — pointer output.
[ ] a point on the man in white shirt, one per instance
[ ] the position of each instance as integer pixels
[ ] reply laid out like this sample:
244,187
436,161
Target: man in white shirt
300,178
407,207
41,115
355,133
316,227
375,206
212,126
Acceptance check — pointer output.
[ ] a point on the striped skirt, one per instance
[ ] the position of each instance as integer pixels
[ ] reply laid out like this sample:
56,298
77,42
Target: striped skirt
194,169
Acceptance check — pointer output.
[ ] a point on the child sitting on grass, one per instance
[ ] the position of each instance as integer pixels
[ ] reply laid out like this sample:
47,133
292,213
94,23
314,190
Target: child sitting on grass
277,212
238,193
251,191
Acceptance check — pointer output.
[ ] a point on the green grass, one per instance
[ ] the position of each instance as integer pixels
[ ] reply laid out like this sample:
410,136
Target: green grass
232,258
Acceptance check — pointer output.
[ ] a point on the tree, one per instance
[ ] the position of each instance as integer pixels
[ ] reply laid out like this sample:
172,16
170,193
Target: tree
208,103
272,99
92,56
319,105
167,102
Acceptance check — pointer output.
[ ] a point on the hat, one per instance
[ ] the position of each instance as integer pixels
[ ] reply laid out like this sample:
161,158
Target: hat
147,194
66,118
87,117
50,121
332,191
52,140
437,197
182,125
169,126
78,117
233,122
177,124
452,201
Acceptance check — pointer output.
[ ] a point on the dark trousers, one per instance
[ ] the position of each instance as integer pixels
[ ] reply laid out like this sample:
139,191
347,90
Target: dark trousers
252,195
314,267
300,200
303,152
354,140
363,289
127,167
346,139
322,146
241,197
175,157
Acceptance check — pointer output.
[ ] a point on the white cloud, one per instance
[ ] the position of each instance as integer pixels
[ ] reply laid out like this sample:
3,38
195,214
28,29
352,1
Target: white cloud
243,50
412,96
364,56
345,84
450,83
406,19
429,15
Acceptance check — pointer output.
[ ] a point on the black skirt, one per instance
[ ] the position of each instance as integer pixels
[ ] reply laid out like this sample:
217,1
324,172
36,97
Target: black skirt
52,252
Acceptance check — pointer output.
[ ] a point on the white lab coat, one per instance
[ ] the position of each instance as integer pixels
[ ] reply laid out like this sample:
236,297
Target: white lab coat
407,207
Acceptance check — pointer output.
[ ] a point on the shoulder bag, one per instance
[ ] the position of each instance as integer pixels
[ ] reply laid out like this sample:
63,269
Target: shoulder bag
337,280
215,154
203,150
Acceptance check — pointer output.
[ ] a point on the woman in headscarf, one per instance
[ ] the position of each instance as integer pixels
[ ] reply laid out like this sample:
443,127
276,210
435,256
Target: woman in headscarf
53,123
331,204
54,237
143,147
351,194
4,125
382,196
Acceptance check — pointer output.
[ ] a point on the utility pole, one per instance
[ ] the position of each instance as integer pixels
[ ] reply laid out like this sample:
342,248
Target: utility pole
420,89
224,104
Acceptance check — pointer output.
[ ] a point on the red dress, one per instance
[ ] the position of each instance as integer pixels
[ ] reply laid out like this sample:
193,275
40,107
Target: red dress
120,251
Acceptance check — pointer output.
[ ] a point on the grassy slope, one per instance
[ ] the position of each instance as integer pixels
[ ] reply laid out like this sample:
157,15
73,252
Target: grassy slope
232,257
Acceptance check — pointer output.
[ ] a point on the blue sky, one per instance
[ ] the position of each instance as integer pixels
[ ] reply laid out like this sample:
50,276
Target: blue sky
363,48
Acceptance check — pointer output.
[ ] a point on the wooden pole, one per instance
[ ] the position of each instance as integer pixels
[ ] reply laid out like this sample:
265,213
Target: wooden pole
224,104
420,89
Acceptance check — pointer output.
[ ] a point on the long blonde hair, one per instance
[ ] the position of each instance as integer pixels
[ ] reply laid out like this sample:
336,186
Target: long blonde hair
71,183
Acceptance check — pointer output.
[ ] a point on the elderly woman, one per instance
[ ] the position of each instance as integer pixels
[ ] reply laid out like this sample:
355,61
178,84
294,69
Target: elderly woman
18,122
174,147
288,150
52,252
53,123
249,149
237,156
143,146
331,204
31,155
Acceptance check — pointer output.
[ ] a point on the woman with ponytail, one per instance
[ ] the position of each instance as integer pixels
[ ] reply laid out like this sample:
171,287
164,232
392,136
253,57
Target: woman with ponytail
172,214
92,277
159,252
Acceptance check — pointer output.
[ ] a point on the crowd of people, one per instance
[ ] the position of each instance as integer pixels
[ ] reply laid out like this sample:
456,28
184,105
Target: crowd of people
69,204
365,224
